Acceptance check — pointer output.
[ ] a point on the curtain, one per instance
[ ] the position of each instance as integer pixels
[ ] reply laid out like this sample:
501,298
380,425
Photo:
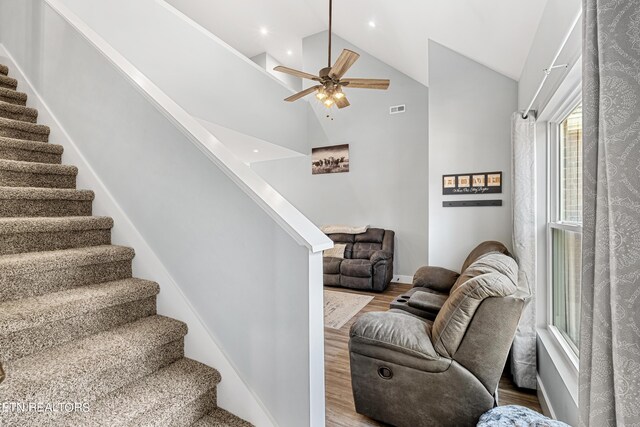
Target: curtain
523,153
609,383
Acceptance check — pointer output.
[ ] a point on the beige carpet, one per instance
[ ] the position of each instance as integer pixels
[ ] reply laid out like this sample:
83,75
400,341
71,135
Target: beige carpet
75,326
340,307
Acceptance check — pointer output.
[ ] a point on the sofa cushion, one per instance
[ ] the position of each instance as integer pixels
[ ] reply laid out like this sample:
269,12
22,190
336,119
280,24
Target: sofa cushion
364,283
484,248
342,238
364,250
331,280
456,314
356,267
372,235
487,263
331,265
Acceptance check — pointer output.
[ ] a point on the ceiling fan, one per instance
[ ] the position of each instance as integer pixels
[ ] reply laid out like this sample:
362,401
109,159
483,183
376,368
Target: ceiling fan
330,78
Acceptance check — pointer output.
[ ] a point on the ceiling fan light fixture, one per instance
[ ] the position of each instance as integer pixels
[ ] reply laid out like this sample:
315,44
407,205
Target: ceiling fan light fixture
338,95
329,102
321,94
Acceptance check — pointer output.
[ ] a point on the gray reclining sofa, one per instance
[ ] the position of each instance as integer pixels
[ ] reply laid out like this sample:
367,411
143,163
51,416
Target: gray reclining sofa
407,370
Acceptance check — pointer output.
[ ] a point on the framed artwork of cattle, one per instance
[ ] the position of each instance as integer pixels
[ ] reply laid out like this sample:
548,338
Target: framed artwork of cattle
333,159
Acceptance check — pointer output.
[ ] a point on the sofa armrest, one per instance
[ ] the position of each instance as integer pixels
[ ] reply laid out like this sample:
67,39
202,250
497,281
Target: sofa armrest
435,278
395,331
378,256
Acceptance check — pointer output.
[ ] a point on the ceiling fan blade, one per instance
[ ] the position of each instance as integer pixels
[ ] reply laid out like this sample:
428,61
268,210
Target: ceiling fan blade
342,102
302,94
381,84
346,59
296,73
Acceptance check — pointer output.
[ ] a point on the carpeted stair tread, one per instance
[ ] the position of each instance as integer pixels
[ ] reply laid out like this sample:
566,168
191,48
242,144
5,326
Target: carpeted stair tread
18,112
30,274
87,369
221,418
45,224
37,234
26,263
28,145
8,82
153,400
37,168
29,313
13,96
4,69
38,202
30,151
23,130
27,193
16,173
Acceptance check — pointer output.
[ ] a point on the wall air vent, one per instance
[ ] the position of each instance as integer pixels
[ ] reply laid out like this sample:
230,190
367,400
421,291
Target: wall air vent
397,109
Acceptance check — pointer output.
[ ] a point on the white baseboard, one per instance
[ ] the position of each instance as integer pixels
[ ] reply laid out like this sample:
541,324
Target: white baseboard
234,394
399,278
543,398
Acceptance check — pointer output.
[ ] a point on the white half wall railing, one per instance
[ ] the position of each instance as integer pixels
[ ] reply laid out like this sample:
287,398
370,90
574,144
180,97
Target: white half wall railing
203,74
246,261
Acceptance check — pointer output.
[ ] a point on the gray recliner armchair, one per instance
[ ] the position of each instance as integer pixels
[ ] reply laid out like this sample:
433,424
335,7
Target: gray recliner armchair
410,371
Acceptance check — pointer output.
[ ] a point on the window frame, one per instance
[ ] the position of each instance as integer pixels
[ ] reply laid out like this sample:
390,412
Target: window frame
553,213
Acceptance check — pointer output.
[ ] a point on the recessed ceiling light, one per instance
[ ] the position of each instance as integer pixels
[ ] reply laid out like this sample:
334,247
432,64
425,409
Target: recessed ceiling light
256,151
372,24
289,52
264,31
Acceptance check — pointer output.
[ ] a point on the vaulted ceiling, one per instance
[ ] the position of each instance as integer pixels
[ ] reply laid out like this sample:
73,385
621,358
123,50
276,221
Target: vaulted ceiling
496,33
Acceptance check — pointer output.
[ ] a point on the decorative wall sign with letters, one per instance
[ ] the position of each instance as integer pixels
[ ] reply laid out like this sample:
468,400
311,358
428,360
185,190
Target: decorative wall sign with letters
472,183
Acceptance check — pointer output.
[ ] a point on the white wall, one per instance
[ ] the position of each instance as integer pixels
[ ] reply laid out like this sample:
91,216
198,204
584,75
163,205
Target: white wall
268,62
387,183
556,26
246,277
470,109
201,73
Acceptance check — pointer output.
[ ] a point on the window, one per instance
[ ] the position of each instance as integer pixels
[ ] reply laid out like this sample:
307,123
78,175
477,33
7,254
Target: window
565,227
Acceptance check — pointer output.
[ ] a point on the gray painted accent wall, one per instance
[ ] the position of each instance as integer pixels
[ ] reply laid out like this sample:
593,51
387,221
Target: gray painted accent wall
470,109
387,185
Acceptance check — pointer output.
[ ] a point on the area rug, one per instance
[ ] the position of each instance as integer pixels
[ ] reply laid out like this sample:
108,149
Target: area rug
340,307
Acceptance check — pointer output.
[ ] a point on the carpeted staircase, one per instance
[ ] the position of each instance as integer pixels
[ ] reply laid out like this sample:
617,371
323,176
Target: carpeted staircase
75,326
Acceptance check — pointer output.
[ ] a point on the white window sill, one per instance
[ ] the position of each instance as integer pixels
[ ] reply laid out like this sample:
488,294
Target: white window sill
566,363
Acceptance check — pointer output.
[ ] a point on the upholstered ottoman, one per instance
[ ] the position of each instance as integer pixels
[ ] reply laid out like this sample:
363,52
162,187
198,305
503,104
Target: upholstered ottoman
516,416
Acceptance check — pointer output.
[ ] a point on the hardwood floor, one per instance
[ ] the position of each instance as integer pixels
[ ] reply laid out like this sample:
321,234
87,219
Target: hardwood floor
340,407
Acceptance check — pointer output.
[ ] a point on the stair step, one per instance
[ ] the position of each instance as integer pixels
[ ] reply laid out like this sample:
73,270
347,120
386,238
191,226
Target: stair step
14,173
30,202
221,418
32,324
4,69
88,369
30,151
13,96
8,82
36,273
23,130
19,235
18,112
174,396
